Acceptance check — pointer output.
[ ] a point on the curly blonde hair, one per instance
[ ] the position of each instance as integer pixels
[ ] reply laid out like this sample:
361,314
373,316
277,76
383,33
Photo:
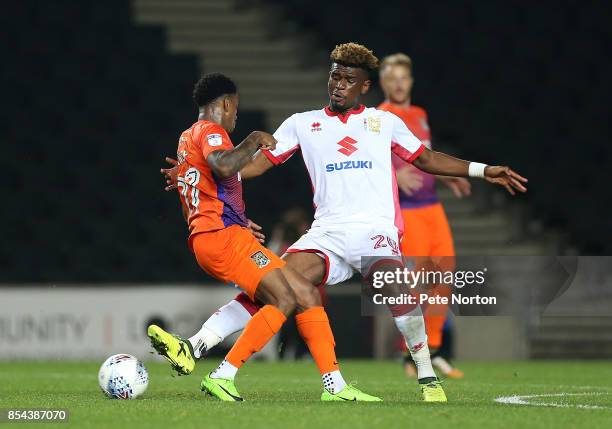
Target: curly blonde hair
354,55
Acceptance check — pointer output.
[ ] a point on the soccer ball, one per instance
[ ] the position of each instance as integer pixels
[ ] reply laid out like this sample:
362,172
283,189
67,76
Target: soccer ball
123,377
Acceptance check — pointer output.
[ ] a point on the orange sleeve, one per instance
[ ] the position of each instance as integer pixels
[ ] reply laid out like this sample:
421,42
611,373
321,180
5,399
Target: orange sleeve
425,117
214,138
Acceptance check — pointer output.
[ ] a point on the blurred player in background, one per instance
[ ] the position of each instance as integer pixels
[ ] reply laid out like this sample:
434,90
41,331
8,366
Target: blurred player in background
347,149
426,229
210,190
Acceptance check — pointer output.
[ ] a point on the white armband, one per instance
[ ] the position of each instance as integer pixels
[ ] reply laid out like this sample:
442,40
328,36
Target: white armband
476,169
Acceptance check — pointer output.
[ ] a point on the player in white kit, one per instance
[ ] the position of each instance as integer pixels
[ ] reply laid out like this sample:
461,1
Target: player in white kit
347,150
348,158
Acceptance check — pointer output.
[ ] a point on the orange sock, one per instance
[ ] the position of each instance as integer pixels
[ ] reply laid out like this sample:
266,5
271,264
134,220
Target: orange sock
434,326
260,329
313,326
435,317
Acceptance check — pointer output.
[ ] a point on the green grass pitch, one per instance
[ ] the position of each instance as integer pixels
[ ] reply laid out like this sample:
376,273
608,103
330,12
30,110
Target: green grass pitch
287,395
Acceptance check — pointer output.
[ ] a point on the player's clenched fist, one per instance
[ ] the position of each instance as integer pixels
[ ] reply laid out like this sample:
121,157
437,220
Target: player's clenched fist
266,141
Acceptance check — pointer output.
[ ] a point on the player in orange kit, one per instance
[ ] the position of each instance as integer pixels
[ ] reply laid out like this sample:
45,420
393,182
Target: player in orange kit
426,229
210,189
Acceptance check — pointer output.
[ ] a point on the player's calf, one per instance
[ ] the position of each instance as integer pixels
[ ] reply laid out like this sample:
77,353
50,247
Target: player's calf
227,320
274,291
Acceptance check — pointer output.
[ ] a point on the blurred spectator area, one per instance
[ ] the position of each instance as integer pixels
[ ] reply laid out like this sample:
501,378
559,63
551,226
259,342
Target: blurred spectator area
93,102
92,105
515,82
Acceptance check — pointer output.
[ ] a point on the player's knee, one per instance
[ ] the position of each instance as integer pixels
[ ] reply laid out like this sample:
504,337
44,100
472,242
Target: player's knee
286,301
307,297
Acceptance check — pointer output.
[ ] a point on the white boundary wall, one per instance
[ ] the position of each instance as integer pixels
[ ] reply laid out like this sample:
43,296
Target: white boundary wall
55,322
41,322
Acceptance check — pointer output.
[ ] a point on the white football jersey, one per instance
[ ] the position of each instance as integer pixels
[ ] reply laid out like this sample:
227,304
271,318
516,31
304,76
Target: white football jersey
348,158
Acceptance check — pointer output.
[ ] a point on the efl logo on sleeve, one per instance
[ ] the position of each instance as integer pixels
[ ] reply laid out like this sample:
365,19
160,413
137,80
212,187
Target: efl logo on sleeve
215,140
260,259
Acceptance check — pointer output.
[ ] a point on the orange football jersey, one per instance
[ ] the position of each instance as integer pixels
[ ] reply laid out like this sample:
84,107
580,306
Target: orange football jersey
210,202
415,119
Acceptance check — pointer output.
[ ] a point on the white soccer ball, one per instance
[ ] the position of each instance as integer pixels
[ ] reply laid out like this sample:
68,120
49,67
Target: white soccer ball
123,377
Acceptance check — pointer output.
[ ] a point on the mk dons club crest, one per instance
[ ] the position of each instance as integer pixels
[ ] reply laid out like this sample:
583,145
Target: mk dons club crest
373,124
260,259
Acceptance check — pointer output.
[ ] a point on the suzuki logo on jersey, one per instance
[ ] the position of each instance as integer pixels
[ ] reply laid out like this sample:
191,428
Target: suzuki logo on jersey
347,146
348,165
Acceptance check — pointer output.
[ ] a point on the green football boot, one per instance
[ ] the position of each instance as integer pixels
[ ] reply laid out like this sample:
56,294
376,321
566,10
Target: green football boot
349,393
433,392
221,388
176,350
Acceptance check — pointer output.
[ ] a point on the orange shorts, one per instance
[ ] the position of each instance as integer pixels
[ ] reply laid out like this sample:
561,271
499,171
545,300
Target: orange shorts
427,237
233,254
427,233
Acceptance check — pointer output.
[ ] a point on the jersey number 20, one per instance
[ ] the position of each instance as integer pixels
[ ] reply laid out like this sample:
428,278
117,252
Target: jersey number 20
186,184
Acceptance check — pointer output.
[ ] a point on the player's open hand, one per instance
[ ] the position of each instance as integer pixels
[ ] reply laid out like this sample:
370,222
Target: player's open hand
409,180
255,230
170,174
506,177
460,186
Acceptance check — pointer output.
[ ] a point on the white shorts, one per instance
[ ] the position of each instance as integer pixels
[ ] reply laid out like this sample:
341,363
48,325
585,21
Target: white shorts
343,246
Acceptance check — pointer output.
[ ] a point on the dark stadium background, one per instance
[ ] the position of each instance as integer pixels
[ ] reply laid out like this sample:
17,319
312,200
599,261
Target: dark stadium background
92,250
93,102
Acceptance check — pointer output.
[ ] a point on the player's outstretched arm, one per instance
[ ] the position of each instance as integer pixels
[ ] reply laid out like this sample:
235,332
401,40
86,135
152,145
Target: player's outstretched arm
256,165
445,165
226,163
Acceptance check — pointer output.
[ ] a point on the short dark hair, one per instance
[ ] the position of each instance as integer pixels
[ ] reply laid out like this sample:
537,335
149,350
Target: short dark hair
212,86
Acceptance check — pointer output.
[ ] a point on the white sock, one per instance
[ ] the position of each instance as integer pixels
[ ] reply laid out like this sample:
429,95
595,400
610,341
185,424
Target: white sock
230,318
442,364
204,340
333,382
412,327
224,370
422,361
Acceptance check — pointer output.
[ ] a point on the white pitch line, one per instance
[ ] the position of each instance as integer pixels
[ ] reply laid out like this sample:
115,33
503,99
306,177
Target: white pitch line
560,386
522,400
